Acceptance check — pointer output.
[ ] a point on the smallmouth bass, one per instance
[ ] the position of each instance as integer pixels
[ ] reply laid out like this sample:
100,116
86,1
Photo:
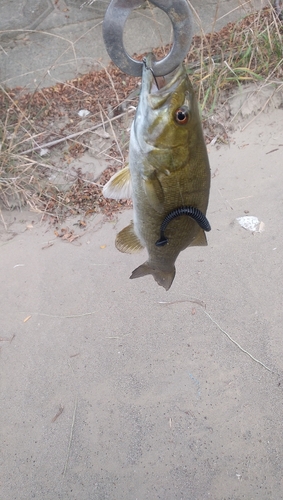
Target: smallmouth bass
168,177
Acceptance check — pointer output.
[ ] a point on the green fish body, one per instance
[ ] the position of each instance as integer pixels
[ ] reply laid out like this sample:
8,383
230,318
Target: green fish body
168,168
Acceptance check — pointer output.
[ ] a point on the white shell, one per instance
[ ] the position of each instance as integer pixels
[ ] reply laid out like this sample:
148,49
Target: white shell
251,223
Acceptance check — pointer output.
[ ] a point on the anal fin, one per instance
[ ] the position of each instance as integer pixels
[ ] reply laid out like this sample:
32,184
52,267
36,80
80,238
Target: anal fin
127,240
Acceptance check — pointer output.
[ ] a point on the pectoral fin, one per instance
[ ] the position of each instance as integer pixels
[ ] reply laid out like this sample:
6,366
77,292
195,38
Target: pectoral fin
127,240
200,240
119,186
154,193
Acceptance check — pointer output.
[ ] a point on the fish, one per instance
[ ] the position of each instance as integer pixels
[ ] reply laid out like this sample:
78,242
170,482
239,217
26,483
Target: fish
167,177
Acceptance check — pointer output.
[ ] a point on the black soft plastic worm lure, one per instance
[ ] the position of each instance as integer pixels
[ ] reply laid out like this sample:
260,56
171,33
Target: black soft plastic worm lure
192,212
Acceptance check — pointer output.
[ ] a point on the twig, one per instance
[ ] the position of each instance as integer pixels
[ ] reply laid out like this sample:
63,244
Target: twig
236,343
112,130
3,50
64,317
71,437
193,301
6,339
262,108
3,220
35,163
72,44
232,10
61,409
126,335
75,134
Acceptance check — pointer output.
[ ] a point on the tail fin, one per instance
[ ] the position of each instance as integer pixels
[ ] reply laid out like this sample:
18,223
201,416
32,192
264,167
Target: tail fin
163,278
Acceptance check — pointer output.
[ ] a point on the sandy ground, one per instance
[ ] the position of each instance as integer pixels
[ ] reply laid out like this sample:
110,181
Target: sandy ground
156,401
64,37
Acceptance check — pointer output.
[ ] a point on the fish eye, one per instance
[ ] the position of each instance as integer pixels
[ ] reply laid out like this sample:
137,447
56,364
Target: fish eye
182,115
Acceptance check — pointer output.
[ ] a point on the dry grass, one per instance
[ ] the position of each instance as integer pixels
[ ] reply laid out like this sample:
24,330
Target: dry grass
248,51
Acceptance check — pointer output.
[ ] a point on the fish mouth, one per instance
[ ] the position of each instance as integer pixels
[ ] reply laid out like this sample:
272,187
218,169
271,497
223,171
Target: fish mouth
159,86
157,101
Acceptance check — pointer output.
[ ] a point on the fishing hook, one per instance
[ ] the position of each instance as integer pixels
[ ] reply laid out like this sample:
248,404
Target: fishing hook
192,212
152,72
113,25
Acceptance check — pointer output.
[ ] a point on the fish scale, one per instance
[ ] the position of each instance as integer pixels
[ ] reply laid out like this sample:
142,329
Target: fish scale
168,169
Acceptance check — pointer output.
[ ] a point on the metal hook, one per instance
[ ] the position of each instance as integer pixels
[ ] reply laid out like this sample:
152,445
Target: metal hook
152,72
113,26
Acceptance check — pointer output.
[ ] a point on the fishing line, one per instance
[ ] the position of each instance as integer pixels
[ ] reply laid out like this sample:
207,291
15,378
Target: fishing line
151,70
